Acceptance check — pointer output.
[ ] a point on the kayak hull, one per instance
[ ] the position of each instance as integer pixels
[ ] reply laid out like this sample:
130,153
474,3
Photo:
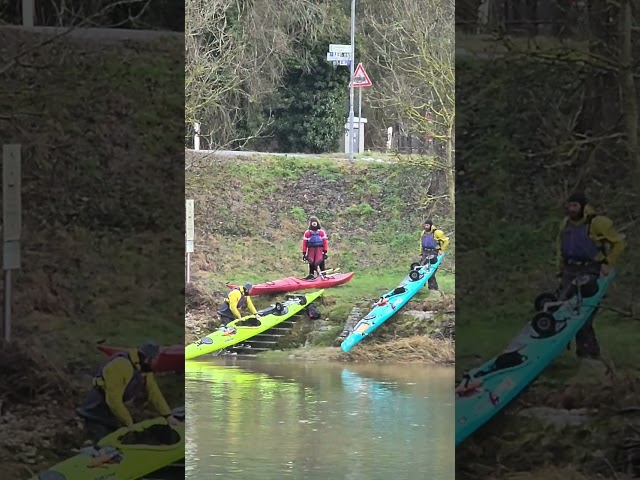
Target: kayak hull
171,358
493,391
219,340
124,462
394,301
293,284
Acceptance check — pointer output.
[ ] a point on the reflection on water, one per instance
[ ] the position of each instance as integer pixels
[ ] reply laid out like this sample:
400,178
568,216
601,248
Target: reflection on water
265,421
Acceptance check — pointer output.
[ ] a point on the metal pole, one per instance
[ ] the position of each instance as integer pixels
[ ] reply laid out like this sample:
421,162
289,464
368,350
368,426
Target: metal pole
353,58
27,13
188,267
7,306
359,116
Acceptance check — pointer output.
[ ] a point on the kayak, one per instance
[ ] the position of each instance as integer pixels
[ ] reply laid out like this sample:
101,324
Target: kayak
292,284
390,303
234,332
486,390
122,455
171,359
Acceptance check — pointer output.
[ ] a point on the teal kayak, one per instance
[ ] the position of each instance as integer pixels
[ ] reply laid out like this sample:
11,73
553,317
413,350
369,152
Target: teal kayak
390,303
486,390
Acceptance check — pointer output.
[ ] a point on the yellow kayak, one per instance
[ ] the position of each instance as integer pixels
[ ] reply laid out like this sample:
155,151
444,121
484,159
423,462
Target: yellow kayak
124,455
235,332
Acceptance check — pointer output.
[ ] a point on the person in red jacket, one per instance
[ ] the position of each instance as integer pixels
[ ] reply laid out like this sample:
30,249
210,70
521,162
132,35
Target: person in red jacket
314,247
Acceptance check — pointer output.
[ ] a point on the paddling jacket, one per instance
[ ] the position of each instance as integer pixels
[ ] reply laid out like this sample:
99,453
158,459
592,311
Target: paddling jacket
588,239
121,379
434,238
234,301
315,239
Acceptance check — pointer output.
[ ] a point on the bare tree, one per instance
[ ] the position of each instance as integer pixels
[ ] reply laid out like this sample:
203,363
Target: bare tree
414,50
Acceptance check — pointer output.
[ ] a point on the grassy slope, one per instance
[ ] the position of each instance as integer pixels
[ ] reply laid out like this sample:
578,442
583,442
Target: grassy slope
250,216
515,242
93,121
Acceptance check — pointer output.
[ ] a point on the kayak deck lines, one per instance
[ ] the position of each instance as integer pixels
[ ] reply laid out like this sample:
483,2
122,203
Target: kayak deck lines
390,303
485,390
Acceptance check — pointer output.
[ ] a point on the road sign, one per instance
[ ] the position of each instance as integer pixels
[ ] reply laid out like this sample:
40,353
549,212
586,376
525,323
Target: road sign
360,78
332,56
337,48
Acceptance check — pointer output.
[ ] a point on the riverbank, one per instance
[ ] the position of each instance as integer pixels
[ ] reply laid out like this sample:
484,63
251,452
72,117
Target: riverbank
94,265
249,229
414,349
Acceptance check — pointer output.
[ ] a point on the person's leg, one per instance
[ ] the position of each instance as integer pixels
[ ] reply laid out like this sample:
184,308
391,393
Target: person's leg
587,345
423,258
322,266
96,431
432,283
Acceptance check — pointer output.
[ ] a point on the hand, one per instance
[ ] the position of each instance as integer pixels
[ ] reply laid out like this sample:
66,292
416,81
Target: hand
304,257
324,255
171,420
605,269
439,252
258,316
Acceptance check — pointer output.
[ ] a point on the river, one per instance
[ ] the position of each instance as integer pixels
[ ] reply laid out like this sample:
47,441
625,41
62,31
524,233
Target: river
258,420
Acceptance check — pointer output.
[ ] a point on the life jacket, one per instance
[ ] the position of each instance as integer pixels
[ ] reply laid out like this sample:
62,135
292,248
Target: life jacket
226,310
577,244
428,242
136,383
315,239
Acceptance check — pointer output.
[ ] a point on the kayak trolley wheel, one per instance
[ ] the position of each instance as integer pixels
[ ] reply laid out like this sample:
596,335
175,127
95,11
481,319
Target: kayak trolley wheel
414,275
303,300
543,299
278,307
415,266
544,324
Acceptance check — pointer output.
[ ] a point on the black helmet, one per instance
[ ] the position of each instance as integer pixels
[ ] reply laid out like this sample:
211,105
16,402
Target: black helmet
247,288
428,221
578,197
149,349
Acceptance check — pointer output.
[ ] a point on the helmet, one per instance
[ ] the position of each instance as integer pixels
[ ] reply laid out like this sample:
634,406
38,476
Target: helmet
247,288
149,349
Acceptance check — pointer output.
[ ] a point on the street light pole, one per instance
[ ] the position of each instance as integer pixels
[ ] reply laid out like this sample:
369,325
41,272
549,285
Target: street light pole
353,58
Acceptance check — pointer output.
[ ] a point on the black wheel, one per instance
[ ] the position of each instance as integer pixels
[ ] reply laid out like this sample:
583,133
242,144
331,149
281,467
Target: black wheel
303,300
415,265
544,324
278,307
544,298
414,275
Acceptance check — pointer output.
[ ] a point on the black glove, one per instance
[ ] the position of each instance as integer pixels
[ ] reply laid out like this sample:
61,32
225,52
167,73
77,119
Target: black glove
304,257
324,255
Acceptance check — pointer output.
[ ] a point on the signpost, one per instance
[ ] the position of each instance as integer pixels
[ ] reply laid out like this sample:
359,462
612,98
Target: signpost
12,223
189,236
359,81
28,13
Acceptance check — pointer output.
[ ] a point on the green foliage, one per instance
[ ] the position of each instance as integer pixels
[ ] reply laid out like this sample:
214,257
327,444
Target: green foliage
309,108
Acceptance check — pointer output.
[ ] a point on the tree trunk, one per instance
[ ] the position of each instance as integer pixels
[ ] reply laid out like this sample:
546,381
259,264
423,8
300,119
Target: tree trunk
628,87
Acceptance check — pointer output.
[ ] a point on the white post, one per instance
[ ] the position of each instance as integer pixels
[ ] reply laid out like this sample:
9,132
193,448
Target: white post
28,13
190,234
196,136
389,138
353,58
359,116
12,223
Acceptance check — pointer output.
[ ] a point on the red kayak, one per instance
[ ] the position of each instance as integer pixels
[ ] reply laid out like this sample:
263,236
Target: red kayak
171,359
292,284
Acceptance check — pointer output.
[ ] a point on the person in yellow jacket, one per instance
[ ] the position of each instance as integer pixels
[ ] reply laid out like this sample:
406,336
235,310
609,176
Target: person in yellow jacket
234,301
589,244
433,241
118,381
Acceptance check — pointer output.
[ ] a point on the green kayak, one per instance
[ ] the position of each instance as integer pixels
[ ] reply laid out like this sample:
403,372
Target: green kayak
125,455
235,332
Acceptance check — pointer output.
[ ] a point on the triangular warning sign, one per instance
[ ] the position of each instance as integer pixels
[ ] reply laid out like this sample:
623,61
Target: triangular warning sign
360,77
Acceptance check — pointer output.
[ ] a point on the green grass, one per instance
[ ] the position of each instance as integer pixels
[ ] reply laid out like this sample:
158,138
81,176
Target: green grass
372,214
